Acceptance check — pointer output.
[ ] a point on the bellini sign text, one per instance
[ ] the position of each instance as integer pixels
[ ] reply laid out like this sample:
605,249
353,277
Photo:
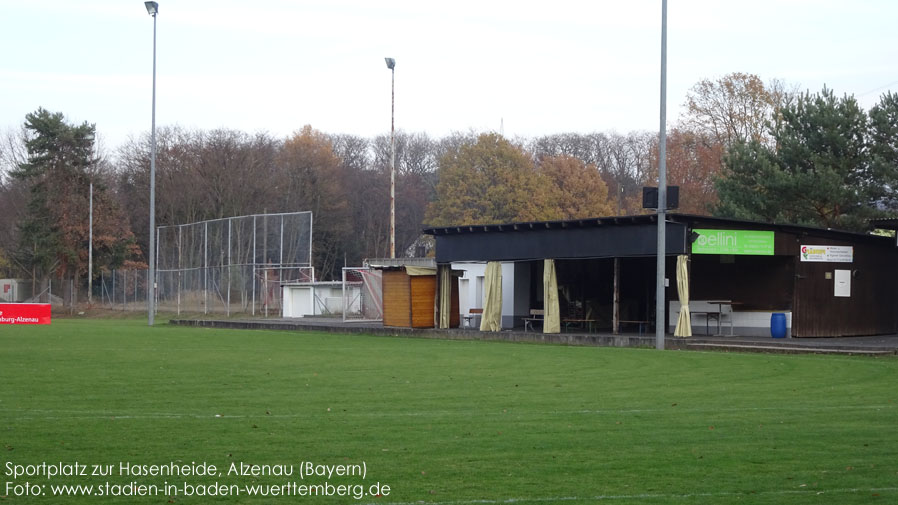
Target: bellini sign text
745,242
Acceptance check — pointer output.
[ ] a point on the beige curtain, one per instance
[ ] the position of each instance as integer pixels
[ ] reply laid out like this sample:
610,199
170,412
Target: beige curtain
684,322
492,297
551,311
446,281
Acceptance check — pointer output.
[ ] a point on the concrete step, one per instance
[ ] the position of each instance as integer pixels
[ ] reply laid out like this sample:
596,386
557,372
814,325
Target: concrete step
748,347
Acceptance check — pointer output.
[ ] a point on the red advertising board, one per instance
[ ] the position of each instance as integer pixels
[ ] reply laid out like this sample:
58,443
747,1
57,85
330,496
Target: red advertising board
24,313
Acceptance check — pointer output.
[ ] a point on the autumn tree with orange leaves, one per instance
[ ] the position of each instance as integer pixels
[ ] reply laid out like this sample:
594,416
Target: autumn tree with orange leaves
492,180
693,163
576,190
310,177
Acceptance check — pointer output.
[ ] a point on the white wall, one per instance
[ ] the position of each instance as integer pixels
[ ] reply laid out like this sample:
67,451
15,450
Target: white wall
313,299
13,290
508,283
473,273
473,298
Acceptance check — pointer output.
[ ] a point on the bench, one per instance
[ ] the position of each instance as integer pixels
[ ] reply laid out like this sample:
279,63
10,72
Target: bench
536,316
642,324
472,313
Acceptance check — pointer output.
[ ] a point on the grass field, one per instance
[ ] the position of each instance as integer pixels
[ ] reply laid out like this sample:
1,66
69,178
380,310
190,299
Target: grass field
450,422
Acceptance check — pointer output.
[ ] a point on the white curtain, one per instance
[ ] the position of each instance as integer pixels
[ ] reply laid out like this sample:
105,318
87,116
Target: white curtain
551,310
492,297
684,322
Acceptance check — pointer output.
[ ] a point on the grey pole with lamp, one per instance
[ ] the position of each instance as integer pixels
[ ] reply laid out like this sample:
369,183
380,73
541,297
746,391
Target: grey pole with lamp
391,64
660,321
152,10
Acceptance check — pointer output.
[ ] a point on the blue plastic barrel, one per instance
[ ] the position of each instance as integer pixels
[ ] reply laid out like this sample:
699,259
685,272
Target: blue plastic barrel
778,325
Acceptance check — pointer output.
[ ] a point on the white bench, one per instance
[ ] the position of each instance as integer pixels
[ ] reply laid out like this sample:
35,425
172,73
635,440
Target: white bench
536,316
471,315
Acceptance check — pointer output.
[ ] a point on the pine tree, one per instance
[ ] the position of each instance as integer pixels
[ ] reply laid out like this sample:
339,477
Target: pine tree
884,147
53,238
817,172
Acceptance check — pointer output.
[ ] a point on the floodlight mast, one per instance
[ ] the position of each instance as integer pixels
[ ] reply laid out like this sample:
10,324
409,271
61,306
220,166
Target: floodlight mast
391,64
152,10
660,321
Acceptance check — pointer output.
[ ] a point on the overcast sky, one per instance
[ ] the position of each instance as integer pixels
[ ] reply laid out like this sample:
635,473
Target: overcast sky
540,67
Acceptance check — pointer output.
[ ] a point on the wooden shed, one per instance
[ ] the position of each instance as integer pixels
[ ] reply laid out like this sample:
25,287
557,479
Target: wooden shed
410,297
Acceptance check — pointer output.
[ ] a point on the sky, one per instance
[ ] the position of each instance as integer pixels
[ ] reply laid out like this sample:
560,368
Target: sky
520,67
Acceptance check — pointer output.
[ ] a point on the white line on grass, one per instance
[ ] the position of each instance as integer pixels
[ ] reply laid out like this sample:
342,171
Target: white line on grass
71,414
644,496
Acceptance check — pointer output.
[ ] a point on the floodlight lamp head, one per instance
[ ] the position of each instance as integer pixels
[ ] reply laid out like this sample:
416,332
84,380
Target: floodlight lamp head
152,8
391,63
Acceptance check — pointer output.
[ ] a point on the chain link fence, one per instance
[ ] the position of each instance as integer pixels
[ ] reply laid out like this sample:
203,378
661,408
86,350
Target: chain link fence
233,265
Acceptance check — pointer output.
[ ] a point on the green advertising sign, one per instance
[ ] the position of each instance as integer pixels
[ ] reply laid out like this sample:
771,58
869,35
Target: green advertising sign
747,242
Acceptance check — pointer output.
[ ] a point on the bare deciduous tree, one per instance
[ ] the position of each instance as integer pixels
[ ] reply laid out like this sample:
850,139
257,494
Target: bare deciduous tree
735,107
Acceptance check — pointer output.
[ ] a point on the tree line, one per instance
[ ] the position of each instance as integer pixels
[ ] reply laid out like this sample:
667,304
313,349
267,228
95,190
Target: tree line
743,148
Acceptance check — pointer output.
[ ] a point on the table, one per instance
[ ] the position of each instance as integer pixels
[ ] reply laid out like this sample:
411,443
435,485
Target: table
718,315
705,308
642,324
586,324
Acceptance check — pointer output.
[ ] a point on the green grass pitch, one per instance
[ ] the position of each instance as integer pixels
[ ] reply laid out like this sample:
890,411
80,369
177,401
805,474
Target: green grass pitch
449,422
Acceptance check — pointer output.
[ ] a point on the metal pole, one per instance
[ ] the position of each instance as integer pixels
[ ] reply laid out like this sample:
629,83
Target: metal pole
255,262
180,268
265,262
660,321
155,287
206,267
393,162
311,224
90,249
228,309
151,280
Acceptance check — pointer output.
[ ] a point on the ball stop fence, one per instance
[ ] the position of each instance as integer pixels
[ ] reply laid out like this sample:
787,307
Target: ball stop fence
233,264
236,266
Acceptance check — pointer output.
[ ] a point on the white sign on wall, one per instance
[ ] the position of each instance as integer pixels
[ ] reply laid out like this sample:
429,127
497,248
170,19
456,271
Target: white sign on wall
827,253
843,283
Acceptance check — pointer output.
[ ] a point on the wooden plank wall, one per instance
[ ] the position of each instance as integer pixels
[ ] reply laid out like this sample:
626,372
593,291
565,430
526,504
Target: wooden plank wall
754,282
870,310
423,291
397,299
